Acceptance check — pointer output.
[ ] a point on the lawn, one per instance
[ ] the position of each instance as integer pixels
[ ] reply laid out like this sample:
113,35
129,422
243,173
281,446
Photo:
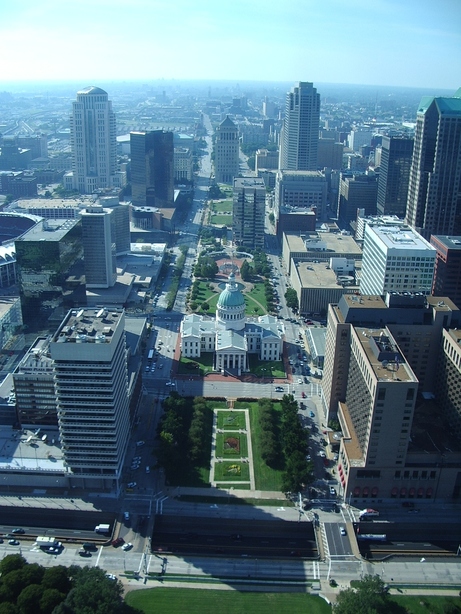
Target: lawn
222,206
221,220
200,601
204,365
231,445
266,368
231,420
229,471
428,605
266,478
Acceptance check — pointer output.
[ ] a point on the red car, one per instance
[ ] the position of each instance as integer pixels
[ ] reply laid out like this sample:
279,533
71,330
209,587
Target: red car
303,394
118,542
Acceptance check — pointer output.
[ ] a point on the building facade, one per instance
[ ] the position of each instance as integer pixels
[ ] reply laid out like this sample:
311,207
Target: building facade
434,191
226,150
152,169
356,191
394,175
98,236
447,274
390,378
396,260
249,212
93,141
300,129
231,337
91,384
50,268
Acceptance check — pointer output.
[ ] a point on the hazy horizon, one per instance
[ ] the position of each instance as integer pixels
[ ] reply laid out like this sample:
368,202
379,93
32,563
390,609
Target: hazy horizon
383,43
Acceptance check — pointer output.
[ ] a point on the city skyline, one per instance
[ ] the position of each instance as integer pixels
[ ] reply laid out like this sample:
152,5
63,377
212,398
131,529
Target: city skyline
357,43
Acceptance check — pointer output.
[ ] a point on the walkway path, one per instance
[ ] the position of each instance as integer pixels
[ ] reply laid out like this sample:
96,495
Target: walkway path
247,459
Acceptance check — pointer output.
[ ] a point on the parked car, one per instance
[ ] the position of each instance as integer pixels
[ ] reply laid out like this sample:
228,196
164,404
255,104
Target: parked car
332,491
84,552
131,485
126,515
13,542
118,542
140,443
303,394
126,547
311,414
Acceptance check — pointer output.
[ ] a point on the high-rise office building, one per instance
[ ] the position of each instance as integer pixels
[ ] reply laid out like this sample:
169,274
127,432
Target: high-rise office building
396,259
226,150
93,141
91,384
300,129
98,235
434,191
249,212
447,275
391,378
50,267
394,174
152,169
356,191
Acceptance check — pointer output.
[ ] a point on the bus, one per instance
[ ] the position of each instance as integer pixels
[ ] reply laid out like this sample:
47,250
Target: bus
150,355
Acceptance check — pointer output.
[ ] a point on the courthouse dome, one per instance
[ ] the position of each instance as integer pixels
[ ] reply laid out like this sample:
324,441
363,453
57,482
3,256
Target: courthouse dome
231,296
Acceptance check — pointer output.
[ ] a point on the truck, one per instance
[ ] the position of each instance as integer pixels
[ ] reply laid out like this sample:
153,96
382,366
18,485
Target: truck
367,514
102,528
44,541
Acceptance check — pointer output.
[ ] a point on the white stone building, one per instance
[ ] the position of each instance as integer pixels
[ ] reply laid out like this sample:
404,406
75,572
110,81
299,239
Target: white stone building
230,336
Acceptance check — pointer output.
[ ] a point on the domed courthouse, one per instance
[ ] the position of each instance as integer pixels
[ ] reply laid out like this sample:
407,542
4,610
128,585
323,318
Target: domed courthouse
230,336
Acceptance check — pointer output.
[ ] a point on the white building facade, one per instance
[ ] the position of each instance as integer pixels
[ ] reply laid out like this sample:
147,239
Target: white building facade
230,336
396,259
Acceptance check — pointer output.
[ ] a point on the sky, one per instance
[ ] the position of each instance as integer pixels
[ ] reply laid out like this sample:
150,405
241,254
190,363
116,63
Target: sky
413,43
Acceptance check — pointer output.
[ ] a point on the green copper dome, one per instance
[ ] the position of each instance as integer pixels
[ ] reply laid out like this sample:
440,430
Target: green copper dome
231,296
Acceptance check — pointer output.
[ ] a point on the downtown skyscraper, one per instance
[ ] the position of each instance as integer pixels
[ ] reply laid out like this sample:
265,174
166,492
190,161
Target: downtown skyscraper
434,191
300,130
93,141
152,168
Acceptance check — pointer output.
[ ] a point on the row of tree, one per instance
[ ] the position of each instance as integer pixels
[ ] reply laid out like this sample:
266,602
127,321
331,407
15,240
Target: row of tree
298,471
184,434
271,451
177,274
30,588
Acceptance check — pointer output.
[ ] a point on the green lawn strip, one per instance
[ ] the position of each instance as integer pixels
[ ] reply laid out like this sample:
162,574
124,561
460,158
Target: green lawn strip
199,601
226,450
231,420
221,220
266,478
204,362
224,472
423,604
222,206
266,368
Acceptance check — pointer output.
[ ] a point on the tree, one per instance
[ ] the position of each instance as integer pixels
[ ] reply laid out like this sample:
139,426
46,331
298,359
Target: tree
10,562
291,298
204,306
245,271
369,597
51,598
57,577
29,598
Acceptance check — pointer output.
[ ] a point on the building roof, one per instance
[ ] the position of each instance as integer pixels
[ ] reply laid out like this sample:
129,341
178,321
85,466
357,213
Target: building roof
450,242
92,89
230,339
227,122
231,296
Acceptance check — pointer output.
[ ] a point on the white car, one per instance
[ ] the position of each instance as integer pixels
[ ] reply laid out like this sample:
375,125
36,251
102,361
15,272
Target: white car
126,515
127,546
322,454
300,381
131,485
140,443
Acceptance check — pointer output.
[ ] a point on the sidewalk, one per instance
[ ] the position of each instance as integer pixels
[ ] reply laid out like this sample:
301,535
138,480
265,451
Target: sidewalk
180,491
